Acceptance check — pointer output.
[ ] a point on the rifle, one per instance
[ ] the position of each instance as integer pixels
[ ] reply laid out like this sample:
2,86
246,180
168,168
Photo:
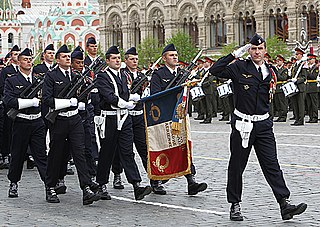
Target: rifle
185,73
144,78
12,113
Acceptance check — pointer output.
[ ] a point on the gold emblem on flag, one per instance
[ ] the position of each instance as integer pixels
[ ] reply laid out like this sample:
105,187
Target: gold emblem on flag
158,164
155,112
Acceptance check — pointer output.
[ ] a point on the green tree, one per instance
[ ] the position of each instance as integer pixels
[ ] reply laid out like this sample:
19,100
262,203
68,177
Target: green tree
276,46
227,49
186,50
149,51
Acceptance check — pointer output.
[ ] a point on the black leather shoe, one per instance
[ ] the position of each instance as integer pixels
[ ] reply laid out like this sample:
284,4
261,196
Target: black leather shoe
206,121
51,196
5,163
30,162
288,210
292,118
297,124
224,119
60,188
201,117
13,190
157,188
141,192
281,120
313,121
103,192
94,187
195,188
235,212
117,183
89,196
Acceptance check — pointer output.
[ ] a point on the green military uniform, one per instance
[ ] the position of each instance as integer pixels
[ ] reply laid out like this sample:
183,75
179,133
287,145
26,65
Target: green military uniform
298,102
198,104
280,101
207,101
225,104
312,94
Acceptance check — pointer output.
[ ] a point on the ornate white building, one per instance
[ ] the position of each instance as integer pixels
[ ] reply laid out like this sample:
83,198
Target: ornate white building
210,23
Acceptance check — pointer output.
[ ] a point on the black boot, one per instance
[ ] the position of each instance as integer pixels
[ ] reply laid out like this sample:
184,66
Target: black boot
206,121
13,190
60,188
51,196
288,210
200,117
30,162
89,196
117,183
141,192
103,192
235,212
194,187
157,187
94,186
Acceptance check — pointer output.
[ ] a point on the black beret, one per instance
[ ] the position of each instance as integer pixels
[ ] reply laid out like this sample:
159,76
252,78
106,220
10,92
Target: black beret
113,50
256,40
310,56
299,50
91,40
132,51
63,49
49,47
169,47
26,52
78,48
15,48
77,55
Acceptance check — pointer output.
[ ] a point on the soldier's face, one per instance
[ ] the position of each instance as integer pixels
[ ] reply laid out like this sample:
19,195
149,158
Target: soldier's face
25,63
77,64
132,62
49,56
114,62
92,49
14,56
279,62
170,58
298,56
257,53
64,60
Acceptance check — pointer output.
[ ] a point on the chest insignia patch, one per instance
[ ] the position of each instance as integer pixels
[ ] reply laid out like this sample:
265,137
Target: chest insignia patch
19,86
166,80
246,76
59,82
246,87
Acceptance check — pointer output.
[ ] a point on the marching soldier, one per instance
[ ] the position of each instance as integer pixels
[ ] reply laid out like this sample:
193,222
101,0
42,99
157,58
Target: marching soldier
116,130
312,89
252,126
28,128
92,50
48,62
67,125
8,71
159,81
198,104
280,101
298,75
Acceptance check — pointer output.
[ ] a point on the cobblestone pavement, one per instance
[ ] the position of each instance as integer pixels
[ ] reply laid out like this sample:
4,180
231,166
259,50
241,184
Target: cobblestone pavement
298,153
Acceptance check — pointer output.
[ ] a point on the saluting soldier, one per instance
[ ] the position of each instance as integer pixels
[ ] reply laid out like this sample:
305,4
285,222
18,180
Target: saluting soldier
312,89
280,101
299,74
160,80
118,136
28,128
67,126
8,71
252,126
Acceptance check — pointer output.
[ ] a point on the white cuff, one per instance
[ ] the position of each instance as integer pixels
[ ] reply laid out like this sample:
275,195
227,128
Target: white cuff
24,103
122,103
81,106
61,103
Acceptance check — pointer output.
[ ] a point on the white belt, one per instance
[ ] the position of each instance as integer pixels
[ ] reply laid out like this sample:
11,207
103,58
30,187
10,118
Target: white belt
29,116
68,113
113,112
251,117
135,112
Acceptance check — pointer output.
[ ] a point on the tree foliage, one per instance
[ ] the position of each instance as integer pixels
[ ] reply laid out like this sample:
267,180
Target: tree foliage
277,46
149,51
227,49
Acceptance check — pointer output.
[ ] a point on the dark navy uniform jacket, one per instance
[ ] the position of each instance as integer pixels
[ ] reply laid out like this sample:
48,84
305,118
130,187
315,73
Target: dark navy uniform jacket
87,61
107,92
6,72
160,80
14,85
41,69
251,92
54,82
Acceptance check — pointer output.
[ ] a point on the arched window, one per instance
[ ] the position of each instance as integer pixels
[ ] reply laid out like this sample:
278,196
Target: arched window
116,31
135,29
157,26
0,43
10,40
312,25
190,25
217,31
246,27
278,24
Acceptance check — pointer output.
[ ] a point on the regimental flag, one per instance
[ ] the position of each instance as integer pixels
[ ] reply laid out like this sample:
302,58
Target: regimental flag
167,130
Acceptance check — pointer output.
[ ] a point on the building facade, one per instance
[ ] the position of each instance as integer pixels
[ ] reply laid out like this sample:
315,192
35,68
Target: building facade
210,23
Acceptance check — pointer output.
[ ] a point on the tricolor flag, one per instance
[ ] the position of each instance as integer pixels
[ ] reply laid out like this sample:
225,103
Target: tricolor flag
167,130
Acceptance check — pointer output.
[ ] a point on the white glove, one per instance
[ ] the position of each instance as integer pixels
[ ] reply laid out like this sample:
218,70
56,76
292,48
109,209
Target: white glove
73,102
229,81
318,79
82,106
241,51
36,102
294,80
130,105
134,97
